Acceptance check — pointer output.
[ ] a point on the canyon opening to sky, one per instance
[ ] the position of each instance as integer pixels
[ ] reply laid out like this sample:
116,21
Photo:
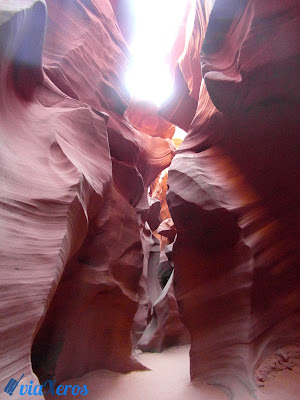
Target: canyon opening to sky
156,26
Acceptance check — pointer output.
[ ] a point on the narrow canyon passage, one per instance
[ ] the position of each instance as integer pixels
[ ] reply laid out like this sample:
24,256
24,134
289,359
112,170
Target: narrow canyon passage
149,199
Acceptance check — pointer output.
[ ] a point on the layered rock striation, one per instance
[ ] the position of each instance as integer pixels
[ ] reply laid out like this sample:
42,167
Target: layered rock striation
94,261
73,169
234,189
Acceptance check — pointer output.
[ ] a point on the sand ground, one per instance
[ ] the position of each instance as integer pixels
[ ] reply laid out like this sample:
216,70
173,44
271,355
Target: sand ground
169,380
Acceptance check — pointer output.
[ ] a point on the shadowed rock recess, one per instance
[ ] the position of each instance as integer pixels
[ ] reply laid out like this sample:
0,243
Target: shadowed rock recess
102,251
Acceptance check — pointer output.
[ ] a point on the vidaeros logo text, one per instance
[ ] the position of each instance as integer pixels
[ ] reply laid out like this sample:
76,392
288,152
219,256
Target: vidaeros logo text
47,388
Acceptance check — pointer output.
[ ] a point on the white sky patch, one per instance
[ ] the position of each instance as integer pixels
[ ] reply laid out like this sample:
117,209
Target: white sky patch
179,133
163,174
156,25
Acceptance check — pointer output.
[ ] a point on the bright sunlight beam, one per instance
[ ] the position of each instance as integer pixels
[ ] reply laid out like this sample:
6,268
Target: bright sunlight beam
156,25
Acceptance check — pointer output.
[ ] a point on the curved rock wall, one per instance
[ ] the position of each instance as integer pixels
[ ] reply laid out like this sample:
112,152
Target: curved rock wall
234,189
72,171
78,239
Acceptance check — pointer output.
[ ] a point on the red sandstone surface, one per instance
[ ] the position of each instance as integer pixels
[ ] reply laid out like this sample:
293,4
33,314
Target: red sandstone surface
234,189
100,254
79,170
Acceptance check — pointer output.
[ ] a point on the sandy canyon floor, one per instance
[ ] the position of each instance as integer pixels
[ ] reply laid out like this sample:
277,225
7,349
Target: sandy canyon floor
168,379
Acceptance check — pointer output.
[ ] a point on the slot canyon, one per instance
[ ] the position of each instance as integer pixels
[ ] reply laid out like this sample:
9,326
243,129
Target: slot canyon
150,249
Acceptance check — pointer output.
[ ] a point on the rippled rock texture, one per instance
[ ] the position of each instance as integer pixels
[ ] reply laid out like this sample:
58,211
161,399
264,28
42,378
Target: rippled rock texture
234,190
88,266
73,169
